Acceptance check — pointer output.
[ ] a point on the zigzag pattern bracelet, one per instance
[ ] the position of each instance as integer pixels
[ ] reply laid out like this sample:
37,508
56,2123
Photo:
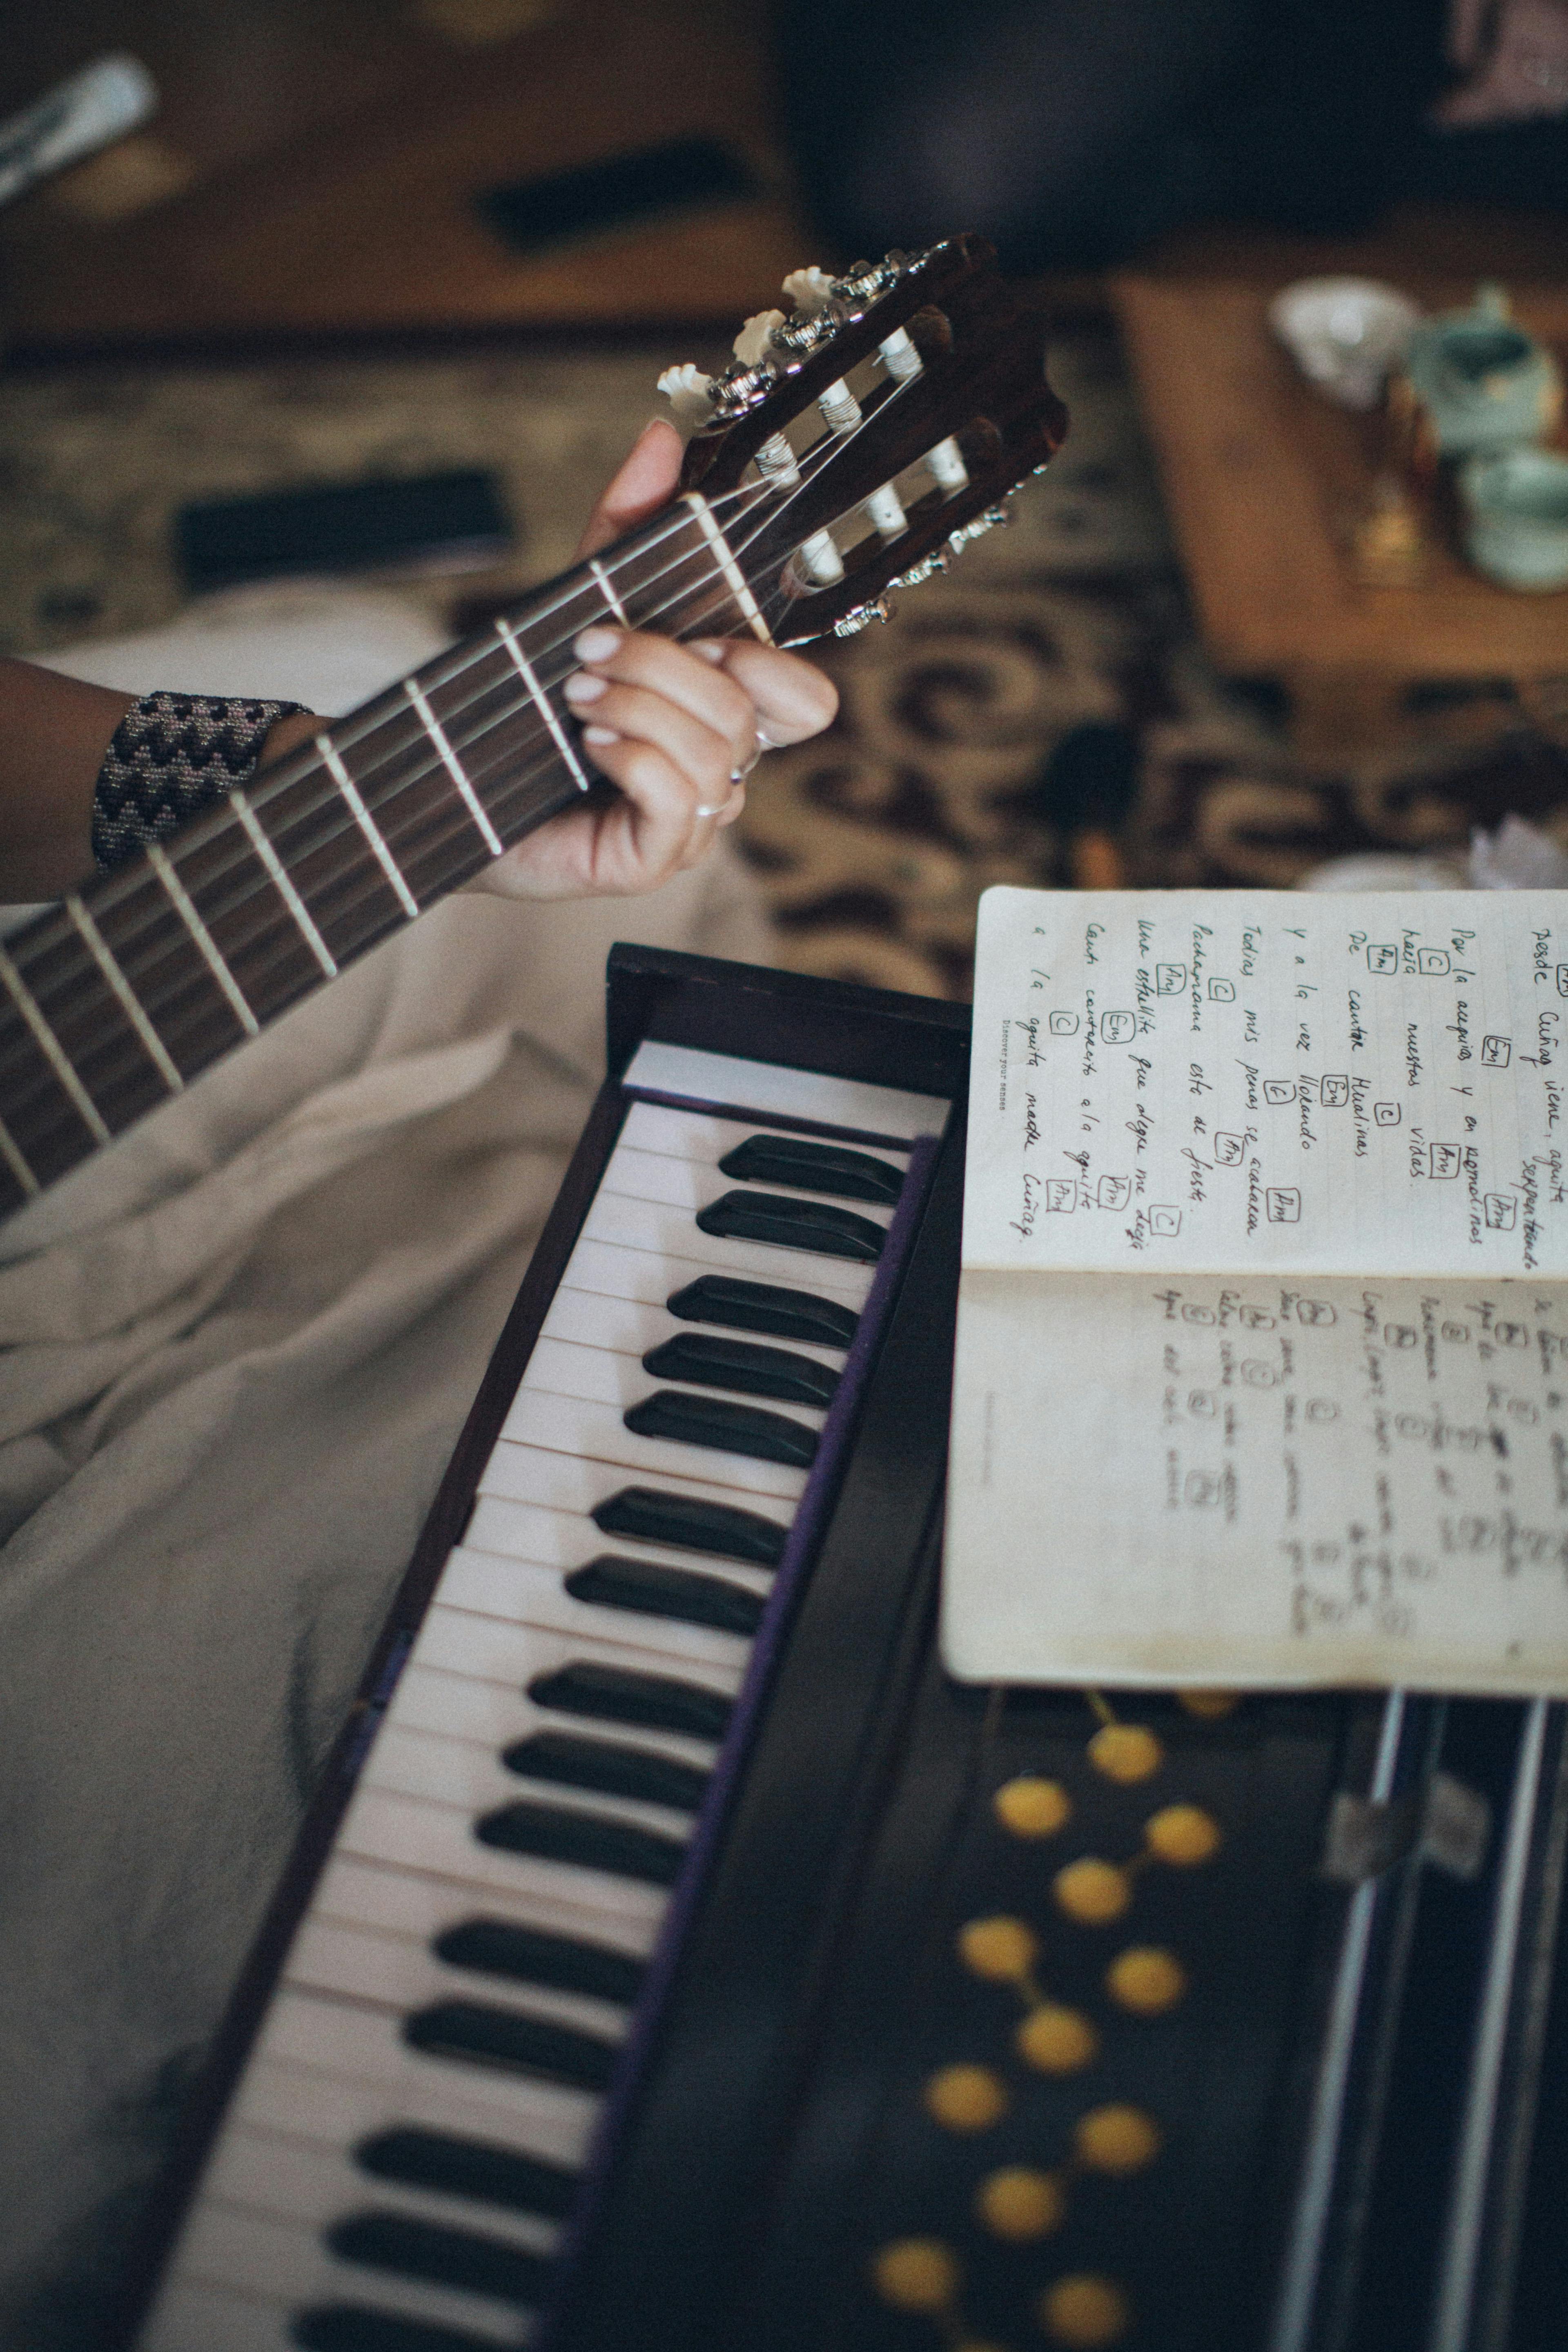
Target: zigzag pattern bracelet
173,755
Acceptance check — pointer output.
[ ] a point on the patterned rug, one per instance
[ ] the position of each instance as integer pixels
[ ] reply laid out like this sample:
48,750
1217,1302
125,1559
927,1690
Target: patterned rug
874,843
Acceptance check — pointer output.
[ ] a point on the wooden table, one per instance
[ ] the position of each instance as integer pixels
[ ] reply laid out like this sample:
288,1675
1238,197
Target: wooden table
1263,477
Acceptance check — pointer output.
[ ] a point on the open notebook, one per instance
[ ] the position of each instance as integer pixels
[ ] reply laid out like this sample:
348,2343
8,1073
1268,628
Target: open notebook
1262,1366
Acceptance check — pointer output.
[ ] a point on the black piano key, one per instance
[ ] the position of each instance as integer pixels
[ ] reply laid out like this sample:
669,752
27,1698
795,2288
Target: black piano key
604,1766
792,1225
688,1524
443,2256
552,1834
738,1306
469,2167
621,1695
351,2327
495,1947
723,1427
813,1168
682,1595
743,1366
499,2037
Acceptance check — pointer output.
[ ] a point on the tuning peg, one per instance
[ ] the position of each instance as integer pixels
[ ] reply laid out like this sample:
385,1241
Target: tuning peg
808,290
752,343
861,617
689,391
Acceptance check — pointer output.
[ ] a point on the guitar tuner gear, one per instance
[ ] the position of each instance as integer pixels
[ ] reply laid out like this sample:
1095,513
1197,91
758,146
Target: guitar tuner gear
807,330
861,617
864,280
926,569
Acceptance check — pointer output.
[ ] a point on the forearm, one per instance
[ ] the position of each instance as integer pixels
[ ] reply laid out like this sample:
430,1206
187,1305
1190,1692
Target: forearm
55,734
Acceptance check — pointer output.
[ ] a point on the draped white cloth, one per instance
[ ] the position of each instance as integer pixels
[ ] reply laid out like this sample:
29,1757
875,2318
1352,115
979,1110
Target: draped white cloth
239,1346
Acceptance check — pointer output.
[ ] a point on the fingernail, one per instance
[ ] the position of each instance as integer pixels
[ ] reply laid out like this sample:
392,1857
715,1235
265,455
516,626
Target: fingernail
596,644
706,649
600,735
583,687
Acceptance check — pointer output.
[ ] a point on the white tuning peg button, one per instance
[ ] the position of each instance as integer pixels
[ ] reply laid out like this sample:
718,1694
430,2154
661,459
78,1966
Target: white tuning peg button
752,342
689,391
809,289
841,407
777,461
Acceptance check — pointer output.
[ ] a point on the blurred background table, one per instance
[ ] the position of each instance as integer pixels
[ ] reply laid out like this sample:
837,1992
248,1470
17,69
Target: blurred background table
1264,479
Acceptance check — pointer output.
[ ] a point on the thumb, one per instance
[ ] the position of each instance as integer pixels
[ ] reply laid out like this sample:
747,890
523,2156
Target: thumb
645,482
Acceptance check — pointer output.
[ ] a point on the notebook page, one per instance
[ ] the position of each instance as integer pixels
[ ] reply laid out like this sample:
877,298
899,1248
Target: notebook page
1158,1480
1184,1081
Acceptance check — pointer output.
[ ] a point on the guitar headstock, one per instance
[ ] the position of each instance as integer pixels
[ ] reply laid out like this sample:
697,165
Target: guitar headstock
860,439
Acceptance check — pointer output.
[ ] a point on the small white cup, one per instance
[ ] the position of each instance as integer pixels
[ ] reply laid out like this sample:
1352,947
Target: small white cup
1345,334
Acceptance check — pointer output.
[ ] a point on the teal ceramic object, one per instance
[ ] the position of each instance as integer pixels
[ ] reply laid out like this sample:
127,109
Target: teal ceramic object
1516,503
1482,381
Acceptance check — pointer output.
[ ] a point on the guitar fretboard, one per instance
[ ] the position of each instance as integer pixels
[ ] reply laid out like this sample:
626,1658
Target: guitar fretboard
115,1000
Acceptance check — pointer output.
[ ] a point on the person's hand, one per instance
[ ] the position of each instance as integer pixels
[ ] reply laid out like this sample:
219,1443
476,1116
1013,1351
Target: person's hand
671,725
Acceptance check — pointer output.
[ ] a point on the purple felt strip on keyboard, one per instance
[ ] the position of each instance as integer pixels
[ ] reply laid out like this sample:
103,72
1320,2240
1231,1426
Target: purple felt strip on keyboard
800,1549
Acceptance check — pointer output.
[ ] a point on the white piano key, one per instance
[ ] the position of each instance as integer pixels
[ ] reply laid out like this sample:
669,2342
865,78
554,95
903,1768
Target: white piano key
258,2255
597,1433
464,1642
538,1597
673,1235
456,1772
631,1329
569,1482
650,1277
338,2111
192,2317
687,1184
403,1976
416,1905
382,1826
762,1086
697,1136
488,1715
597,1375
337,2037
269,2174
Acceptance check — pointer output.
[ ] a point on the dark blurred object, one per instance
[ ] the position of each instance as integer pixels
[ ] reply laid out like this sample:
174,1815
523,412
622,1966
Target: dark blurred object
102,103
623,192
1087,790
430,522
1075,132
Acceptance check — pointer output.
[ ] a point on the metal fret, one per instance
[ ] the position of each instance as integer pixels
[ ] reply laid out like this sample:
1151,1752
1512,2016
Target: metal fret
185,907
525,670
286,890
15,1163
54,1052
131,1004
606,590
438,734
367,825
739,586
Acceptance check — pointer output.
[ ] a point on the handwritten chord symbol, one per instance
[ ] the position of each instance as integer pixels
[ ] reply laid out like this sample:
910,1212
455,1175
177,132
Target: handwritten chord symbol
1278,1090
1222,992
1502,1212
1497,1052
1203,1402
1336,1090
1283,1203
1443,1160
1191,1313
1165,1221
1118,1028
1201,1489
1400,1335
1170,979
1256,1318
1387,1114
1315,1310
1457,1332
1433,961
1228,1150
1563,980
1257,1374
1061,1195
1512,1335
1383,959
1321,1409
1063,1024
1113,1191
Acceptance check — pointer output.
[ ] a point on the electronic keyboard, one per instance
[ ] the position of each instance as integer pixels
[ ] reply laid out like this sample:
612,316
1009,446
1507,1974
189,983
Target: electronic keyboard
674,1956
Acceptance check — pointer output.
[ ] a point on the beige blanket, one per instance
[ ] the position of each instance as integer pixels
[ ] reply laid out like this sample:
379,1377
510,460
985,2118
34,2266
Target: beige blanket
240,1346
